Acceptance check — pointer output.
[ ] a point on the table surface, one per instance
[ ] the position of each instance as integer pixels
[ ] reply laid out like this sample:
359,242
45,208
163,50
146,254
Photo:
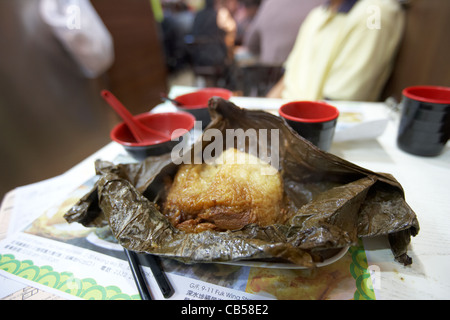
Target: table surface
426,182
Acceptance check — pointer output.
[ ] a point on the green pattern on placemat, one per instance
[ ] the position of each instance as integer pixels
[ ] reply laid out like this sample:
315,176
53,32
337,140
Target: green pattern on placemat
64,281
89,289
359,271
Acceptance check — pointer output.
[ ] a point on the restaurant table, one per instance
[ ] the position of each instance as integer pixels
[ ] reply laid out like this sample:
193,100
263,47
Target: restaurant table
426,182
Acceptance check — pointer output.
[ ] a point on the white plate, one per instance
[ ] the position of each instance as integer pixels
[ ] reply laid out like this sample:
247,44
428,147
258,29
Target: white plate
276,265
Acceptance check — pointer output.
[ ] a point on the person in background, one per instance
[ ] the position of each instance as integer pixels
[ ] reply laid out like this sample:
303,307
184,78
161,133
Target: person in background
225,21
244,17
176,24
271,34
212,44
344,51
214,30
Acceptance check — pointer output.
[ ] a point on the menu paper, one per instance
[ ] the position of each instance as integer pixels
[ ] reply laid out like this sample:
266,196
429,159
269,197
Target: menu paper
71,261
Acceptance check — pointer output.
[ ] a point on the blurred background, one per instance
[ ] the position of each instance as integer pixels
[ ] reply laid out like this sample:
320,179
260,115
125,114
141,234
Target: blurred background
51,113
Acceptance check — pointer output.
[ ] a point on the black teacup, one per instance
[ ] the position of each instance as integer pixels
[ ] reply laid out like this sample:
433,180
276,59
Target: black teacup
425,122
313,120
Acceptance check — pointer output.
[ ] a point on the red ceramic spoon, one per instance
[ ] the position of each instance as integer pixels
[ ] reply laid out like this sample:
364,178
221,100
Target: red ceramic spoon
140,132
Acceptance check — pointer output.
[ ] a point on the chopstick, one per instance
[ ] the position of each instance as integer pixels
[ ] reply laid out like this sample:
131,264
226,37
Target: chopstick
160,276
139,279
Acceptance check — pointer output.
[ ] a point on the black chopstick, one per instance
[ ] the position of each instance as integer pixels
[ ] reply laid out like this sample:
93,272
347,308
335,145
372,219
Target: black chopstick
139,279
160,276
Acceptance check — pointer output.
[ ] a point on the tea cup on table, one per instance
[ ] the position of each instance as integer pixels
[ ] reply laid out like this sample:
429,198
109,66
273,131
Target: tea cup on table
313,120
425,120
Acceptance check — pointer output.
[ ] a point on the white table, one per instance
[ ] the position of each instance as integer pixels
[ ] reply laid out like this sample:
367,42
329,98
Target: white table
426,182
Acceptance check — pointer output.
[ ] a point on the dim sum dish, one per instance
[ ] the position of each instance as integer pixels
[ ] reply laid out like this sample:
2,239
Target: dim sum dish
226,195
239,206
